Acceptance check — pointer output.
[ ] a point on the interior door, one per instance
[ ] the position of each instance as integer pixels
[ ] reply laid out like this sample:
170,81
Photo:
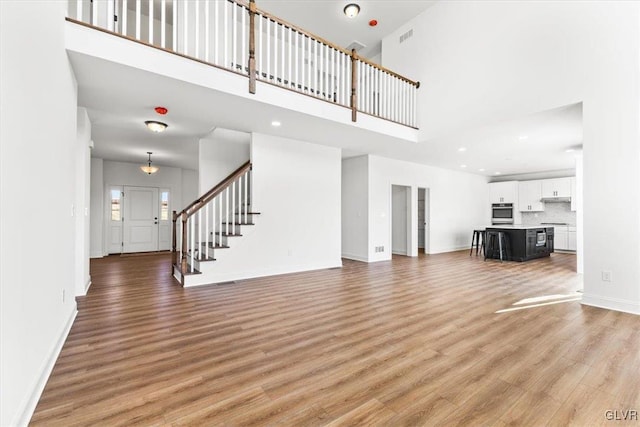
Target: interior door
140,219
421,218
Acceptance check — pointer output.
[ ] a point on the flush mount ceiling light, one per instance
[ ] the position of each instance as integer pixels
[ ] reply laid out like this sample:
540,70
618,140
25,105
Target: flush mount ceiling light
351,10
156,127
276,124
148,169
462,149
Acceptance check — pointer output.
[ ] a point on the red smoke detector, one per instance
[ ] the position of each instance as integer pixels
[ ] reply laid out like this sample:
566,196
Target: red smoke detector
373,23
161,110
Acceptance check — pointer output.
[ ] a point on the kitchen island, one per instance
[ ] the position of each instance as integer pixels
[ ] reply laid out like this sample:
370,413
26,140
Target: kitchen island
521,242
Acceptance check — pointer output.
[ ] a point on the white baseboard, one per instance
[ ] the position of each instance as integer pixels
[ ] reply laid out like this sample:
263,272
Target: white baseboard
205,279
452,249
25,412
616,304
87,286
355,257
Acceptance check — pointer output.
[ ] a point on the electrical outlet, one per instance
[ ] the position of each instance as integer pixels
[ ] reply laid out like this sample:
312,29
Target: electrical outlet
606,276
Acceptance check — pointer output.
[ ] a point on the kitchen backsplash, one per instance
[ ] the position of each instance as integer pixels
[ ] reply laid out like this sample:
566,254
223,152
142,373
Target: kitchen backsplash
553,212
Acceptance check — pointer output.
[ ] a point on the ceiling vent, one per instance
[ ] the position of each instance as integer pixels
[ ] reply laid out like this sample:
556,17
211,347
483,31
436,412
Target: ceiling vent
356,45
406,36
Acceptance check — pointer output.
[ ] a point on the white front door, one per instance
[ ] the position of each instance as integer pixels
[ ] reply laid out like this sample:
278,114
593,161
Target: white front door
140,223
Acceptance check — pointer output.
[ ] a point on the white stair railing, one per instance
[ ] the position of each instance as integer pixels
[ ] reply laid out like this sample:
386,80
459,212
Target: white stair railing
208,222
225,33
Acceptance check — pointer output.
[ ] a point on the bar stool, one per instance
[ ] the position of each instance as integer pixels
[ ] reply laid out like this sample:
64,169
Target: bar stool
477,241
496,238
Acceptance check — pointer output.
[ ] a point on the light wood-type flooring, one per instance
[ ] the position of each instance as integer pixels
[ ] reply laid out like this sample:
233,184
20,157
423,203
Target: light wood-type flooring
412,341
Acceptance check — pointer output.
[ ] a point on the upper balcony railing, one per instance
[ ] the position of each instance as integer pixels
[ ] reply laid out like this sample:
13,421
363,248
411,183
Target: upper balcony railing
241,38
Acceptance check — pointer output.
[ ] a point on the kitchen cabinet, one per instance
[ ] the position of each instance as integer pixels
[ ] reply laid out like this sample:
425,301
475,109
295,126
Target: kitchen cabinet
556,187
529,195
504,192
565,238
574,200
571,239
561,238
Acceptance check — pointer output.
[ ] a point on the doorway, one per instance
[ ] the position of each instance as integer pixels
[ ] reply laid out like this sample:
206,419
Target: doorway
139,219
400,219
423,220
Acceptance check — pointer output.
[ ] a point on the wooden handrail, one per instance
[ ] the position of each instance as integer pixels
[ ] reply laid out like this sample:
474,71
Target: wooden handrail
329,44
205,198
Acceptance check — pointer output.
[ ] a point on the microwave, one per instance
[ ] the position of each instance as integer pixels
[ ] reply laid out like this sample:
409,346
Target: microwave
502,213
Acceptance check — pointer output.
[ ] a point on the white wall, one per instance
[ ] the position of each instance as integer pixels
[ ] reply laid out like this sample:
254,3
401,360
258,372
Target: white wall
97,208
483,62
355,208
220,153
82,205
37,178
458,203
296,189
189,188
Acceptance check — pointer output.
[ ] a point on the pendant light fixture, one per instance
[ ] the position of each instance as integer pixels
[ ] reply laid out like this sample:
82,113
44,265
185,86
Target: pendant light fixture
351,10
148,169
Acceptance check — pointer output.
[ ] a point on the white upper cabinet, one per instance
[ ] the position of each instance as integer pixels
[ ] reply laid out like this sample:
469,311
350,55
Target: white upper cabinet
529,195
557,187
504,192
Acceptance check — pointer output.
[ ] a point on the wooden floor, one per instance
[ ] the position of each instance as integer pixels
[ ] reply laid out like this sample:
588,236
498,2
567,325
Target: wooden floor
413,341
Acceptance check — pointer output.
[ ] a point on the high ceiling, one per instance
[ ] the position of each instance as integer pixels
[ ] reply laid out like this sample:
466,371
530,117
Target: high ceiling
120,98
326,19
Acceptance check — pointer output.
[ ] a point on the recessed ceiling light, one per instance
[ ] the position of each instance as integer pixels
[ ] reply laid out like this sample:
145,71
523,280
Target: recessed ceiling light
275,123
351,10
522,137
463,166
481,170
461,149
155,126
498,173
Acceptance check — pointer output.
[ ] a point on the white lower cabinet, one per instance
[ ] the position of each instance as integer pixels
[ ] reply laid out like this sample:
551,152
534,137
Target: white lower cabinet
564,238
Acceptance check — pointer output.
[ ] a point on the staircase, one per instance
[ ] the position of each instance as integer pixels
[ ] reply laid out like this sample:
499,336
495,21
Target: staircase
208,227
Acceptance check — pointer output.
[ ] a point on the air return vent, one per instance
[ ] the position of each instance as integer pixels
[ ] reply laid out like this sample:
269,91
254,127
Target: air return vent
406,36
356,45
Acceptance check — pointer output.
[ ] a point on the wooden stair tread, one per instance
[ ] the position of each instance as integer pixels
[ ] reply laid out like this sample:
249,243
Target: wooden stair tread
248,213
238,223
216,246
188,272
223,234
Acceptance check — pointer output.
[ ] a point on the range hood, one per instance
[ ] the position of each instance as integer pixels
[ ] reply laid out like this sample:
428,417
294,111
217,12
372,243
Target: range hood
555,199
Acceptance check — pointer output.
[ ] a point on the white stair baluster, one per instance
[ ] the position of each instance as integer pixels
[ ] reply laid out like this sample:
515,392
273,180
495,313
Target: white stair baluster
220,218
206,231
246,196
150,21
233,207
123,24
216,35
191,243
163,24
225,33
227,210
174,20
207,30
199,240
234,36
260,45
138,16
185,23
268,75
